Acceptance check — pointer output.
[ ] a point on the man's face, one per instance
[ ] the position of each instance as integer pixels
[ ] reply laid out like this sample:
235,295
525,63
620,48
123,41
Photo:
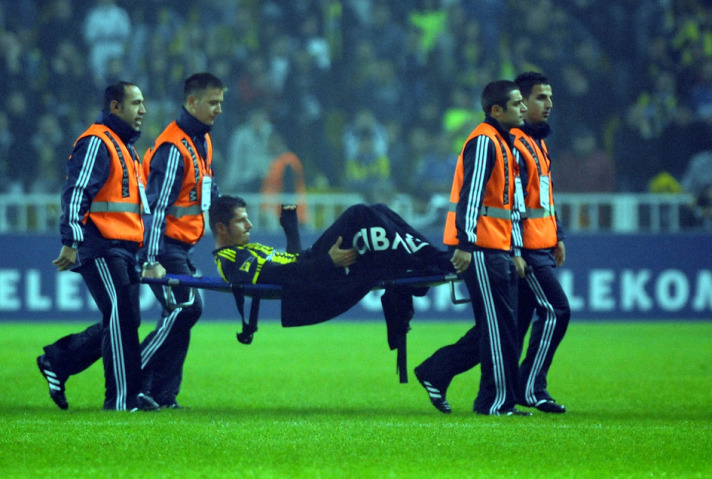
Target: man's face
539,104
513,116
132,109
238,230
206,106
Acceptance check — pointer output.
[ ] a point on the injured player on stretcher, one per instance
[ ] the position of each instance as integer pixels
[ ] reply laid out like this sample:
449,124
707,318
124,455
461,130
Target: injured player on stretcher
364,245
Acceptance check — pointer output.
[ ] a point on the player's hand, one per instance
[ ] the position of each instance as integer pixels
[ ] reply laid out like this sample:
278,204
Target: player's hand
461,260
288,216
560,253
67,257
520,265
157,271
342,257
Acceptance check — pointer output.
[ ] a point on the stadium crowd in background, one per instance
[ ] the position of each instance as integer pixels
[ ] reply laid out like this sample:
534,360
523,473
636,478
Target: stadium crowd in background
634,78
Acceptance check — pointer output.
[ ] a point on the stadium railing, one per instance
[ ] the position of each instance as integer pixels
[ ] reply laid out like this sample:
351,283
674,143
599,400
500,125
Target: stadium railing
579,212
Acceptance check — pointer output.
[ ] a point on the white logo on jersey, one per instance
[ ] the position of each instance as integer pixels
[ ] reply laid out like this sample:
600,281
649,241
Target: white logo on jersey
375,239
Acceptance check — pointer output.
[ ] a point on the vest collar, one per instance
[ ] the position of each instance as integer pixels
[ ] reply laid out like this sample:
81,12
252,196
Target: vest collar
538,132
191,125
500,129
124,131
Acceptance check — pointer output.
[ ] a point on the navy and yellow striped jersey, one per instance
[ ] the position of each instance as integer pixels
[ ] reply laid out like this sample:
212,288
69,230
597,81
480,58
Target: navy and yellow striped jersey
243,264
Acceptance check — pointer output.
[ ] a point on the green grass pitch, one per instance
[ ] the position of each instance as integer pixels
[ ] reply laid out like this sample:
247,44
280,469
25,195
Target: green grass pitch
324,402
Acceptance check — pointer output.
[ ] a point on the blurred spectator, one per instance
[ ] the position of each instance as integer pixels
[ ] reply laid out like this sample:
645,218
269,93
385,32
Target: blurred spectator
400,157
314,42
431,20
383,93
585,167
699,213
632,152
279,63
697,181
460,117
436,166
701,93
285,175
368,169
6,141
391,34
684,136
48,167
107,28
302,121
249,155
658,106
493,15
57,23
698,175
19,109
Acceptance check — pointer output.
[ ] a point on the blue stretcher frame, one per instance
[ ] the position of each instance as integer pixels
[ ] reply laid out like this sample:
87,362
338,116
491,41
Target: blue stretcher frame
274,291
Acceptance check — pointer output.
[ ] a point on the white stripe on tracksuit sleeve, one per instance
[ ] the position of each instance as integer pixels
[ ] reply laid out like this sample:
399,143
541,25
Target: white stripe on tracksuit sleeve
164,184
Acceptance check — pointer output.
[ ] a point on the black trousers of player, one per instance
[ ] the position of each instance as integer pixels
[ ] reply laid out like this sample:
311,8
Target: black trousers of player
388,245
114,284
540,292
164,350
491,281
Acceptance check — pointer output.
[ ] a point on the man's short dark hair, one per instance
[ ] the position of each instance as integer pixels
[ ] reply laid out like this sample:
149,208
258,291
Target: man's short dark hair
115,91
222,210
199,82
497,93
528,80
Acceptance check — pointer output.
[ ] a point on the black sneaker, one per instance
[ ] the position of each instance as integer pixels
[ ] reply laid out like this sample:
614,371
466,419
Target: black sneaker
56,385
508,412
437,398
145,403
549,405
173,405
514,412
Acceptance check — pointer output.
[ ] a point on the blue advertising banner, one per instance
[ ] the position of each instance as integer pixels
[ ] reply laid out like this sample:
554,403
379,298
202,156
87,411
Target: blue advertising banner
605,276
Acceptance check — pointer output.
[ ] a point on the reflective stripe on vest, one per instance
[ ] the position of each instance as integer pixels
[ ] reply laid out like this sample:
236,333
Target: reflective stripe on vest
180,211
537,213
491,211
111,207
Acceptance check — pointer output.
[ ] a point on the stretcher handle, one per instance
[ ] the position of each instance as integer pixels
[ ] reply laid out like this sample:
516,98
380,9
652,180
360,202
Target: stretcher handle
453,295
170,298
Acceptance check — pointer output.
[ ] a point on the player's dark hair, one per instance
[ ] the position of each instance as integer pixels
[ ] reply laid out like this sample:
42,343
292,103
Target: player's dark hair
528,80
497,93
115,91
222,210
199,82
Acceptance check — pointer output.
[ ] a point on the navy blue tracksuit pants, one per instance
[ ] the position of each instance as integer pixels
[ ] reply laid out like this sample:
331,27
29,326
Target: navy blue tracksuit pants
164,350
491,281
114,284
541,293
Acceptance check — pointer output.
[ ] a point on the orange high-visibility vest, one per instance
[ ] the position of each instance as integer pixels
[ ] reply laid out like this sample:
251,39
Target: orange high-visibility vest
184,219
116,208
539,230
273,183
494,219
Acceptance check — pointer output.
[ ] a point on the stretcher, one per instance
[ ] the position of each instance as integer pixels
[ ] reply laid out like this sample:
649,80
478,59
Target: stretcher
257,292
